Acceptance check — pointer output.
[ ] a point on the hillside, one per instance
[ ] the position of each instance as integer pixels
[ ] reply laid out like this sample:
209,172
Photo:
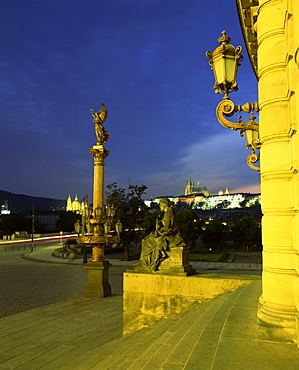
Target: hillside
20,203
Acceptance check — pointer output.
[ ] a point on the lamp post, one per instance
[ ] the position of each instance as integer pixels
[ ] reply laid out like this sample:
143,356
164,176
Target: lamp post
224,61
94,229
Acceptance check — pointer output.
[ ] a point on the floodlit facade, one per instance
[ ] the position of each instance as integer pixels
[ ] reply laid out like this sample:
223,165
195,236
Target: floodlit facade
5,209
271,34
229,201
73,205
225,201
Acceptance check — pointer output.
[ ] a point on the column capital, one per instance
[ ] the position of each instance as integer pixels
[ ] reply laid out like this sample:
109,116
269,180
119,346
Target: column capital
99,153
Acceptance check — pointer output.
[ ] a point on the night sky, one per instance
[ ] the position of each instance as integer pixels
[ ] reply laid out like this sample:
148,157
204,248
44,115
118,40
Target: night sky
145,59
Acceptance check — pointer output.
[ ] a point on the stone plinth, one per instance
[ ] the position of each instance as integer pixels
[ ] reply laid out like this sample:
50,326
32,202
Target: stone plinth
97,280
149,297
176,263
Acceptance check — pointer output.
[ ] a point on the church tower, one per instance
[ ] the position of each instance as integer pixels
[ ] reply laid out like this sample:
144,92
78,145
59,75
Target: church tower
69,207
189,187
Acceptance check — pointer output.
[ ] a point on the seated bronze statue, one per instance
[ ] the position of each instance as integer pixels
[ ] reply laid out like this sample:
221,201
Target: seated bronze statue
166,236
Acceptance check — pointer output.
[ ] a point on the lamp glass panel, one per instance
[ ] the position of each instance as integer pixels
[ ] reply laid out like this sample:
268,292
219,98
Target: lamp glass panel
218,64
112,211
230,69
118,227
108,211
98,211
77,227
248,135
89,228
255,134
107,228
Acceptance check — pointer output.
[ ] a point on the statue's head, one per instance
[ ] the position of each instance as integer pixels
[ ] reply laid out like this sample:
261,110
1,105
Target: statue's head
164,203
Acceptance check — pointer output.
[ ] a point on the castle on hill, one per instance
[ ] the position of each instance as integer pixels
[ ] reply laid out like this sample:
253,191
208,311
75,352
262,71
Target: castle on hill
190,189
201,198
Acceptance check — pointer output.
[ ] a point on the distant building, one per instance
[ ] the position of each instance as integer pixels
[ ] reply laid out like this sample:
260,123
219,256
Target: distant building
190,188
47,218
220,192
229,201
73,205
5,209
201,198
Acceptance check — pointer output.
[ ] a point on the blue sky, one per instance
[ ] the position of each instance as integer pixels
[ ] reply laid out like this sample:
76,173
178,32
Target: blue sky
146,61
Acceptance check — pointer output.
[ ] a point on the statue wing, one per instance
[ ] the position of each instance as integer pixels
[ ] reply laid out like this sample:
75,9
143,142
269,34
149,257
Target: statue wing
103,113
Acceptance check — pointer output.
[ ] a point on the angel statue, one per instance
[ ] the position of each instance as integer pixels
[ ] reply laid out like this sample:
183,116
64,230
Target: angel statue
99,118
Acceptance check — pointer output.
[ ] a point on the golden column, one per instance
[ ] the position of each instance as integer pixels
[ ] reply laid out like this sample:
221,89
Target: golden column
99,153
94,230
278,77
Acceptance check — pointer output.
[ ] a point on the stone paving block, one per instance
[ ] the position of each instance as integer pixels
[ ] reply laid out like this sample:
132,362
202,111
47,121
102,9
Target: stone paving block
171,366
257,355
249,297
131,346
62,362
15,350
156,350
54,353
241,321
203,354
18,360
91,358
31,365
4,358
157,360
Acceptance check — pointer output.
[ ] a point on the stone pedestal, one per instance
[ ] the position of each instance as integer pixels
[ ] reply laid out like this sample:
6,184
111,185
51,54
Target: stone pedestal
176,263
149,297
97,280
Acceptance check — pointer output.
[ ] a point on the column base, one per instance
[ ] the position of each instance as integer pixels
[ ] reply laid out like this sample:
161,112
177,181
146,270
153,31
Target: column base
97,280
277,323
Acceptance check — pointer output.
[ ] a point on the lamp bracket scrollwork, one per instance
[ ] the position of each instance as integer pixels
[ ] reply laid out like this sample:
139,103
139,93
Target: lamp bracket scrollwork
226,108
252,158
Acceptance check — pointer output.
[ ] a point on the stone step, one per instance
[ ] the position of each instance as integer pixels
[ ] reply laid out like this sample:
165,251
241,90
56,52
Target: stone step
174,341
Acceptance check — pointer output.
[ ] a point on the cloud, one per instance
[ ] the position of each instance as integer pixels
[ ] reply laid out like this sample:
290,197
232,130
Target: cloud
219,161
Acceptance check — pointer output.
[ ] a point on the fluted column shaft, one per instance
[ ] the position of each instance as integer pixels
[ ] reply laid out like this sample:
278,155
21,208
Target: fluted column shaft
278,97
99,153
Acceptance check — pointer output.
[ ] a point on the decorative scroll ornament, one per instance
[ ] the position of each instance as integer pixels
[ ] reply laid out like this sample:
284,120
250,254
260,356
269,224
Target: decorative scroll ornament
226,108
252,158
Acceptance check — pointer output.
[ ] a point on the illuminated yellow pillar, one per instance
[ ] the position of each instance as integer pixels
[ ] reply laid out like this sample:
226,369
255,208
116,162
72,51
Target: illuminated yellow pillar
99,153
278,99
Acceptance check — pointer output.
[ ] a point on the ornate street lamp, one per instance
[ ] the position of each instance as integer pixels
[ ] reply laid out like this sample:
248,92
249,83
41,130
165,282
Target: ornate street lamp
97,228
225,60
94,229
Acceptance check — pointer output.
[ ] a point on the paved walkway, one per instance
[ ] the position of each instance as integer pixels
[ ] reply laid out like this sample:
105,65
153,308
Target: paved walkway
84,333
45,255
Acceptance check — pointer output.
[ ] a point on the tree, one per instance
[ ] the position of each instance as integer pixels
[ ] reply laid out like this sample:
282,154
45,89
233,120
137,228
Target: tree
179,206
130,210
66,221
246,231
149,221
215,232
9,224
243,203
223,205
190,225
